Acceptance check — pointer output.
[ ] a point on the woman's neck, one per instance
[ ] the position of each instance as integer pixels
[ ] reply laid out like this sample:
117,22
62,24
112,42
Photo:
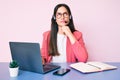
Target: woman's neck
60,30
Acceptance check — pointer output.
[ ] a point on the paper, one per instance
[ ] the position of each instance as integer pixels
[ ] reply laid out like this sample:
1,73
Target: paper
92,66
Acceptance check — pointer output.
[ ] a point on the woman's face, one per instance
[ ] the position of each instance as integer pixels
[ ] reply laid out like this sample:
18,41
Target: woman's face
62,16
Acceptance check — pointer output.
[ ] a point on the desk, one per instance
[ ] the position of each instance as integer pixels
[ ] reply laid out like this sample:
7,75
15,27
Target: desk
72,75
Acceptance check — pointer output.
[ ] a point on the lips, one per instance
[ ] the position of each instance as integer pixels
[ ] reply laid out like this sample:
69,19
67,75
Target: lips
63,21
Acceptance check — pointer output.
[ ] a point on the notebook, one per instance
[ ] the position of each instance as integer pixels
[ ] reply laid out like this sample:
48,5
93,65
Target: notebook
92,66
28,56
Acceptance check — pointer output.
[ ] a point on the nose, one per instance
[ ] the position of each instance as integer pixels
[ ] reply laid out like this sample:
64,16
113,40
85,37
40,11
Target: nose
62,16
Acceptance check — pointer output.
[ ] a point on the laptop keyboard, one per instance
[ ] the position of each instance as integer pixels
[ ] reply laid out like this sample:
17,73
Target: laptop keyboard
48,67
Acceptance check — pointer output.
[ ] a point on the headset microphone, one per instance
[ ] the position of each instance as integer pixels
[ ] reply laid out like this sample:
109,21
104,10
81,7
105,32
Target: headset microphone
66,22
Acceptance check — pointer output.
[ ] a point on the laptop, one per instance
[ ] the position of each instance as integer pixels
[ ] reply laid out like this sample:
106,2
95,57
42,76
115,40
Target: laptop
28,56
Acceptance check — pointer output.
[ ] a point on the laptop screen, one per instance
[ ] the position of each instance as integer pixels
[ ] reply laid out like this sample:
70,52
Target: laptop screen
27,55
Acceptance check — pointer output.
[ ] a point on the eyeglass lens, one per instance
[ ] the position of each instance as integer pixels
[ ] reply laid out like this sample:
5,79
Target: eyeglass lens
59,15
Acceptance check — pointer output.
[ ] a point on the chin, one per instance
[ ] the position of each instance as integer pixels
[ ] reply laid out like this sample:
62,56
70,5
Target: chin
63,24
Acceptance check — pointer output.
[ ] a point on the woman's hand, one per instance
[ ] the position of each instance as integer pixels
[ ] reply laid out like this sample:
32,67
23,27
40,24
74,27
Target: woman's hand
66,30
43,61
68,33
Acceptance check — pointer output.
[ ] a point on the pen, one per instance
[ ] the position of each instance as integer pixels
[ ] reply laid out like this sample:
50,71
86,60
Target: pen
95,66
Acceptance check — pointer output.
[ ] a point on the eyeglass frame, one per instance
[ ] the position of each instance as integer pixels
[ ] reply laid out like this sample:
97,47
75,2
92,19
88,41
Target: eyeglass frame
65,14
55,18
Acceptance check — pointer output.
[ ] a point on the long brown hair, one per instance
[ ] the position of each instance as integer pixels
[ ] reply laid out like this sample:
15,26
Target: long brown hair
53,50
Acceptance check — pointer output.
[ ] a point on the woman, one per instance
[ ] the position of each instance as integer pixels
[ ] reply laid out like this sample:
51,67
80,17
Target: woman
63,43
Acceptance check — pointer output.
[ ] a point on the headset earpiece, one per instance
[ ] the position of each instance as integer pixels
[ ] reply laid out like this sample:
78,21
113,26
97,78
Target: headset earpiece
70,16
54,17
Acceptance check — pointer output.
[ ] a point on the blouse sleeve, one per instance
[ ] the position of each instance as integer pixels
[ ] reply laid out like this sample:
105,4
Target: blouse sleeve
79,49
44,49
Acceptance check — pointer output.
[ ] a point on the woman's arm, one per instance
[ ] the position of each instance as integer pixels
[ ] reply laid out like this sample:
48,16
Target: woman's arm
77,44
79,49
44,50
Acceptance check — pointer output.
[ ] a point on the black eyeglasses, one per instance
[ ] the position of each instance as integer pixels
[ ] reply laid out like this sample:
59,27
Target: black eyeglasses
59,15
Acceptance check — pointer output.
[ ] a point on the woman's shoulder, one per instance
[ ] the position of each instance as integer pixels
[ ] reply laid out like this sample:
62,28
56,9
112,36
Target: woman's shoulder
46,32
77,33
